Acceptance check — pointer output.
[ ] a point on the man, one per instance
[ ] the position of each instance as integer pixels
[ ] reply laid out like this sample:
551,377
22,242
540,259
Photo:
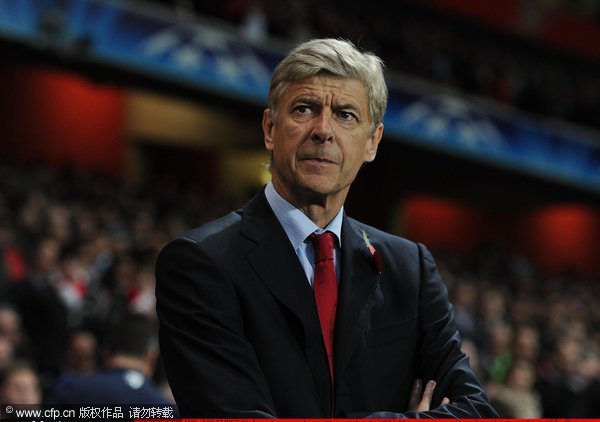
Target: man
129,359
243,332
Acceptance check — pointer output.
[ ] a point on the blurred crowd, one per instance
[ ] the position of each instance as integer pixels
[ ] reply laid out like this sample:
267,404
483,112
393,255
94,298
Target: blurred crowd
412,39
533,340
77,254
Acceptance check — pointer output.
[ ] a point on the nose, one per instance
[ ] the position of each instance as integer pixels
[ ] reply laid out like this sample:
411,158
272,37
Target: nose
322,130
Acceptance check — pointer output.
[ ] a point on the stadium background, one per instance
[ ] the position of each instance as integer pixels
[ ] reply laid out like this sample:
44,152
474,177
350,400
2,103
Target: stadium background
125,122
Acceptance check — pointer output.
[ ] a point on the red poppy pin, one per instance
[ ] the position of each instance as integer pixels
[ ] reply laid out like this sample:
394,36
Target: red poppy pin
374,254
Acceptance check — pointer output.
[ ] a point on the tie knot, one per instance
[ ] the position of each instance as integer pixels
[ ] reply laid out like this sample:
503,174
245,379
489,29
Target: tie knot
323,245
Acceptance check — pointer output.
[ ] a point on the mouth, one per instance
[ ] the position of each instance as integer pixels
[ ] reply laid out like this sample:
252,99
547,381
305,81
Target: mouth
320,160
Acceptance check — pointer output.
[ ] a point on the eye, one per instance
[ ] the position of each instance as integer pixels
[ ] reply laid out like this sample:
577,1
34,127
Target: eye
347,115
302,109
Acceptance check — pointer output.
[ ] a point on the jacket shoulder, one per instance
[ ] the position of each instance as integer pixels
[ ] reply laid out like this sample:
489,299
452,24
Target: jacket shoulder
381,237
212,238
233,224
215,229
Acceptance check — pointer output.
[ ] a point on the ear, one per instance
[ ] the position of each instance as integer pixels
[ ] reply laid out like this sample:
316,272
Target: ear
149,361
373,143
267,126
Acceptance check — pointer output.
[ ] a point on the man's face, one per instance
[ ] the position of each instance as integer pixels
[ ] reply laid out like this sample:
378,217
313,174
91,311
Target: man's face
321,137
22,387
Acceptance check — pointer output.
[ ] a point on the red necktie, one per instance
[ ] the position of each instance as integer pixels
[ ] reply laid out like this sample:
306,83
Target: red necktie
325,288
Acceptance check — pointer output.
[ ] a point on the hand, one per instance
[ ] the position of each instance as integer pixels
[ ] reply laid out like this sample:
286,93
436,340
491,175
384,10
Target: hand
425,400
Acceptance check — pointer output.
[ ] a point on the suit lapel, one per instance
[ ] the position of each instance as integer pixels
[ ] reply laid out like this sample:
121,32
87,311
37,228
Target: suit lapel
358,285
276,264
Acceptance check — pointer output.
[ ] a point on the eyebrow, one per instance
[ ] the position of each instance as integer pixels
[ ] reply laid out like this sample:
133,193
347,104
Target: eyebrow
315,101
347,106
305,99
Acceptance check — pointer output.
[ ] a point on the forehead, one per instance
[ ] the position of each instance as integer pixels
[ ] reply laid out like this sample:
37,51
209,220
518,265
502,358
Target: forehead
328,88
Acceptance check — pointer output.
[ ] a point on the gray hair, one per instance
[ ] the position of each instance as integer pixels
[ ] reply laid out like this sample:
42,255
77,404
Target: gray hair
335,57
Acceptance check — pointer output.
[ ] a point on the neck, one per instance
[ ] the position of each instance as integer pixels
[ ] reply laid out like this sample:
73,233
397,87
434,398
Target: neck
320,215
320,208
128,362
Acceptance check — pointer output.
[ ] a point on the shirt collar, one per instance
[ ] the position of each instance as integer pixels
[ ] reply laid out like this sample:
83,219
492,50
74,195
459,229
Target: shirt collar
296,224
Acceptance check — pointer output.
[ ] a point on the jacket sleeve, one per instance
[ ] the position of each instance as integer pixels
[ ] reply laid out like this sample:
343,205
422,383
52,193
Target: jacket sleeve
210,365
440,356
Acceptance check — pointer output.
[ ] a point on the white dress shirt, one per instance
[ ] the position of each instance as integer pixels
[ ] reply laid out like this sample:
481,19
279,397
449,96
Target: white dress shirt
298,227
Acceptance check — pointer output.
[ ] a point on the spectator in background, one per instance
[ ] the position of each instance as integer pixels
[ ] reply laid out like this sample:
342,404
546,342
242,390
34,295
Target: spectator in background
43,313
526,343
31,221
492,307
464,300
129,351
12,262
516,396
19,384
82,353
72,282
590,369
497,355
562,386
11,331
141,298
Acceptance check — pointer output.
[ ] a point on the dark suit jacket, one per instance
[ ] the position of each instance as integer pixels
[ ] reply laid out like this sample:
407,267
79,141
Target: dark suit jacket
240,335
